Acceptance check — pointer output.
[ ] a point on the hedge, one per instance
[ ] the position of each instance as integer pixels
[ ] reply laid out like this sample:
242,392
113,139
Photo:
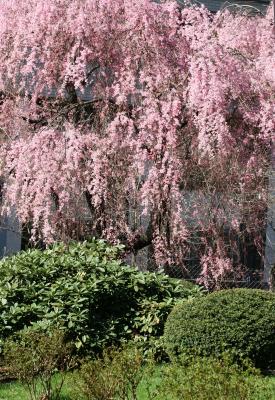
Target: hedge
237,320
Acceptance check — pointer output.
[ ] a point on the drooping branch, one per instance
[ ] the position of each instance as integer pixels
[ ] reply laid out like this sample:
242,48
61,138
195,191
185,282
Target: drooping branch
159,115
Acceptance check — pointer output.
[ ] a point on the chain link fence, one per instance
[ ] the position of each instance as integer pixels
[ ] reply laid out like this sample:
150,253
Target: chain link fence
12,238
252,278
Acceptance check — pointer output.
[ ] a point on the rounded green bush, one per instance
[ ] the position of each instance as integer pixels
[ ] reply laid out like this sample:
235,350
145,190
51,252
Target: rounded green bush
241,321
85,289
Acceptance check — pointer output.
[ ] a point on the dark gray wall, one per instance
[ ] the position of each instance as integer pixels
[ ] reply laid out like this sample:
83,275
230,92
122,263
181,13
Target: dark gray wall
10,235
215,5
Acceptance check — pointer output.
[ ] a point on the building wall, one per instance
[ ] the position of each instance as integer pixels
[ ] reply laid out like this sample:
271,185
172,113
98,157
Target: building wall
215,5
270,229
10,235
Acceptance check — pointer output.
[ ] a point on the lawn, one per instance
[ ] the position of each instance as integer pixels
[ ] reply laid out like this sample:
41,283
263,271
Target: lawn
16,391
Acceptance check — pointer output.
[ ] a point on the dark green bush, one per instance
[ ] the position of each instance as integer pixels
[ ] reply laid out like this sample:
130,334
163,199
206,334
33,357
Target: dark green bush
239,320
85,289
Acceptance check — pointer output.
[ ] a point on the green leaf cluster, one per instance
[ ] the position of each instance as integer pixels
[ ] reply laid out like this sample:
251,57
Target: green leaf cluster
85,289
237,320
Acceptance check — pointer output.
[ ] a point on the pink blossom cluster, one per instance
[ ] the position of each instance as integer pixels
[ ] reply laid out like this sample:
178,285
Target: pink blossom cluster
113,112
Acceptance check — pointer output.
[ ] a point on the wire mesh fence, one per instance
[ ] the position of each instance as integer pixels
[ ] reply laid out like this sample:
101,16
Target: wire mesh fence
11,239
252,278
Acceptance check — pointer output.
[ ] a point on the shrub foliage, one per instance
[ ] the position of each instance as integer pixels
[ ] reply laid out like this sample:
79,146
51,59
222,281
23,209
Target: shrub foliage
116,375
33,357
205,378
85,289
242,320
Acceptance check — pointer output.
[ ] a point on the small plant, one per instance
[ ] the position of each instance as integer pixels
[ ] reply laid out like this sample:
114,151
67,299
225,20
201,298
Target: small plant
33,357
202,378
116,375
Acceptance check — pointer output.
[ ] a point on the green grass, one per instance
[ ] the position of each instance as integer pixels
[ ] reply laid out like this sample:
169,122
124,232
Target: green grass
16,391
12,391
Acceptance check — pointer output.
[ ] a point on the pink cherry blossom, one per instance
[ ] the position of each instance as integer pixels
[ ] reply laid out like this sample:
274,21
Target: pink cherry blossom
139,122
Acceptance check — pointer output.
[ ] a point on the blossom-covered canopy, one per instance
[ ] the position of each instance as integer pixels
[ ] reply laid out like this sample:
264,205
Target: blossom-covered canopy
139,122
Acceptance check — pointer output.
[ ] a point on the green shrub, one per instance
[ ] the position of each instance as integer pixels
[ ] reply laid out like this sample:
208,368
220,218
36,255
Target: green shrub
85,289
123,375
210,379
239,320
33,357
116,375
